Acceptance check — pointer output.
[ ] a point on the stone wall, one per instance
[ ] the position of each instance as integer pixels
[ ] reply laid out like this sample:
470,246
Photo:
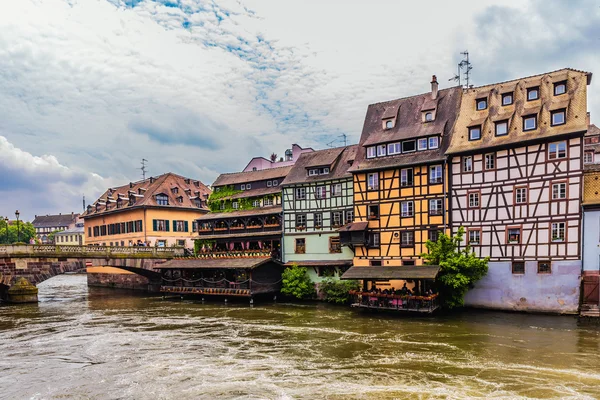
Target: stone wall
118,281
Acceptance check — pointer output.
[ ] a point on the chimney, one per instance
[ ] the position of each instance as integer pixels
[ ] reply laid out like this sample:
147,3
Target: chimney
587,119
434,87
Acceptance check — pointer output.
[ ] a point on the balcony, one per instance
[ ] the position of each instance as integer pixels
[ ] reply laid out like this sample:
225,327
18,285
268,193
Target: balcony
234,230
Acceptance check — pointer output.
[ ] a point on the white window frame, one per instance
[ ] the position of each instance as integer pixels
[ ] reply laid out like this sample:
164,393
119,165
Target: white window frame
530,118
404,235
318,219
473,129
337,218
558,230
371,152
561,191
437,172
479,102
268,201
407,208
243,187
432,140
472,239
588,157
235,205
556,154
498,127
336,189
404,174
474,199
313,172
300,193
269,184
422,144
373,181
521,195
467,164
408,141
560,84
487,157
321,192
554,114
535,90
381,150
436,207
255,203
506,96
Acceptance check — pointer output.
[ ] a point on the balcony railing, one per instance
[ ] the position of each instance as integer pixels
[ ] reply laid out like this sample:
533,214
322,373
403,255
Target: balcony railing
239,229
393,302
89,251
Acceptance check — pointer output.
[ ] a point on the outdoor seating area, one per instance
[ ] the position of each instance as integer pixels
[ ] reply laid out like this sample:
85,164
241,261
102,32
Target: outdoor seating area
397,302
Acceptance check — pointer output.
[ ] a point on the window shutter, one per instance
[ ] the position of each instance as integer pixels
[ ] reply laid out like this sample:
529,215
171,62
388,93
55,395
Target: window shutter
186,226
154,225
174,225
167,224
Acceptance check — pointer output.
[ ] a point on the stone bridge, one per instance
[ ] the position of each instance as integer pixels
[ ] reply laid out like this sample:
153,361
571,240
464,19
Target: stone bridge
24,266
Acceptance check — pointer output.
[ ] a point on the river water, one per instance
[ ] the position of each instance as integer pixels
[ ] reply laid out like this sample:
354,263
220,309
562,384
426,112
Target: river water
81,343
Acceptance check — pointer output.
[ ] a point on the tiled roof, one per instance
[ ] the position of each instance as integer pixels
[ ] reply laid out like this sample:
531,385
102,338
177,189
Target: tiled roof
49,221
574,101
73,231
216,263
241,213
143,193
591,184
403,272
409,125
339,160
593,130
319,263
252,176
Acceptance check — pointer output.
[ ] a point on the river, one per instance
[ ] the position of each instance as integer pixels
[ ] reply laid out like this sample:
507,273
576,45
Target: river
91,343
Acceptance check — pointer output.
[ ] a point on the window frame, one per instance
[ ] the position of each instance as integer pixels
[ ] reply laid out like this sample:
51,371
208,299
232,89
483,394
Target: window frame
564,232
381,150
302,190
373,207
514,227
530,117
320,218
437,140
419,142
514,271
396,148
409,183
473,230
371,152
544,272
558,112
389,123
497,124
473,129
299,226
485,161
334,192
479,100
338,246
300,248
406,142
375,186
506,95
438,180
557,152
430,113
410,209
473,192
588,153
373,244
332,222
559,84
515,195
438,210
465,163
321,192
530,90
412,237
558,183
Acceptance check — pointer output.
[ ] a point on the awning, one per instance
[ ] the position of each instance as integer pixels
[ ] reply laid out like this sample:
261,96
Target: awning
325,263
384,273
215,263
354,227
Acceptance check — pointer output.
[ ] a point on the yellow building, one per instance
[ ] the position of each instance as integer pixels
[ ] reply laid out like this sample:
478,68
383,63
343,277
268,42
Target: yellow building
400,178
159,211
71,237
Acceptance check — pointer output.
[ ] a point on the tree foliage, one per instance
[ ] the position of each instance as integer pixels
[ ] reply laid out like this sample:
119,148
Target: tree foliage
25,232
52,234
297,283
337,291
459,268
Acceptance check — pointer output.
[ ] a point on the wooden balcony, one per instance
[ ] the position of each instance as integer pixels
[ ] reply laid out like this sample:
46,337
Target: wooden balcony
239,230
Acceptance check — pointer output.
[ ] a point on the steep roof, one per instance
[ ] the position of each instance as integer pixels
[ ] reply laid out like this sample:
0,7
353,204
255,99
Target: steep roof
143,193
409,124
593,130
49,221
339,160
252,176
574,101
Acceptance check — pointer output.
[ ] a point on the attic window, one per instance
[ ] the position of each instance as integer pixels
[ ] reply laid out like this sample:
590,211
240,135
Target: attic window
533,93
180,199
428,116
175,190
389,124
481,104
197,183
560,88
312,172
162,200
507,99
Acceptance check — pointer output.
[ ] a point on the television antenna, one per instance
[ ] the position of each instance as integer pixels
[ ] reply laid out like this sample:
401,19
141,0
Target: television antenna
143,168
344,138
464,69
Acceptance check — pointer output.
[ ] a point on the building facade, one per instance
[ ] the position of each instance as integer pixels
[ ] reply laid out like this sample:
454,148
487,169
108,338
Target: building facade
46,224
291,156
159,211
591,240
317,202
516,162
400,179
72,237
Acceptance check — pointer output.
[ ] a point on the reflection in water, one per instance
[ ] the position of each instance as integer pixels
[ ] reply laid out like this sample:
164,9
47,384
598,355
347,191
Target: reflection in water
106,344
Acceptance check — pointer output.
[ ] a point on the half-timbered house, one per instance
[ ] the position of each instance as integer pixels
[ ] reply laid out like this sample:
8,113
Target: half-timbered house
317,201
591,241
400,185
516,162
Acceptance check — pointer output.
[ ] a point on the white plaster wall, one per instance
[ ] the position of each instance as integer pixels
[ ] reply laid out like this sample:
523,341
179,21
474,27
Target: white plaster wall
591,240
500,289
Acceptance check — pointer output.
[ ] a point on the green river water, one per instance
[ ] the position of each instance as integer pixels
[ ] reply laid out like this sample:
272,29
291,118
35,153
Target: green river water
89,343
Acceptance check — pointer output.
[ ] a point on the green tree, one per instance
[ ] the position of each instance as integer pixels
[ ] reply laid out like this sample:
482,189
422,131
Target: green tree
25,232
52,234
459,268
337,291
297,283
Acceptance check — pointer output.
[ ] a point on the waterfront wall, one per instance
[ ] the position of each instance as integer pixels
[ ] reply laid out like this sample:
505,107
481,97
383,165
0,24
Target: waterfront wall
110,277
557,292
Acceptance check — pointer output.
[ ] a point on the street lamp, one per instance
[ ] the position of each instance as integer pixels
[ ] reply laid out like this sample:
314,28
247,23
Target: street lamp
6,222
18,227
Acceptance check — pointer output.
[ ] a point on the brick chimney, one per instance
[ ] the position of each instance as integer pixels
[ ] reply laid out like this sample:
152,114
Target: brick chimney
587,119
434,87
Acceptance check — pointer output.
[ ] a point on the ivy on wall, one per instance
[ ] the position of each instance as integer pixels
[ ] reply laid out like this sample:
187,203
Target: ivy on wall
223,196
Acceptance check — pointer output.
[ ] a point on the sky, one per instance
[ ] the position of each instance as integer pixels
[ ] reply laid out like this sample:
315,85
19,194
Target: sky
90,87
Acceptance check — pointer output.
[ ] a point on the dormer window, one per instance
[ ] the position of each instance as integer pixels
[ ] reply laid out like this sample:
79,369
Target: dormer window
434,142
558,117
428,116
560,88
533,93
248,186
507,99
312,172
408,146
371,152
381,150
275,183
501,128
162,200
198,203
179,199
422,144
475,132
269,184
174,190
389,124
243,187
481,104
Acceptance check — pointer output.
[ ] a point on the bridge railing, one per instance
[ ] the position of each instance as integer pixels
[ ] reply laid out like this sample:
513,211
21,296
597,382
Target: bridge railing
89,251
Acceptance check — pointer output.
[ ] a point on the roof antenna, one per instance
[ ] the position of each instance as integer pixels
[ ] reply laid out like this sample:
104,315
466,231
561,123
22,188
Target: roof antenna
143,168
84,202
345,138
464,68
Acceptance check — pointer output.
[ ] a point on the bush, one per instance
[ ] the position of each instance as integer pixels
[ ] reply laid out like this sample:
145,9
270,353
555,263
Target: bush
336,291
297,283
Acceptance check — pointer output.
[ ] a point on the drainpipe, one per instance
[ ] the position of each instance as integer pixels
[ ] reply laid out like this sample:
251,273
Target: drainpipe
446,183
283,225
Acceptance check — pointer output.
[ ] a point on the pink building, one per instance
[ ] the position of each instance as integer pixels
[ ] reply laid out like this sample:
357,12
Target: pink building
291,155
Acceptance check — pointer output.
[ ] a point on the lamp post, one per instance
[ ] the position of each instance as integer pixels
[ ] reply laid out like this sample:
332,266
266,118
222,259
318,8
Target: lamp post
6,223
18,227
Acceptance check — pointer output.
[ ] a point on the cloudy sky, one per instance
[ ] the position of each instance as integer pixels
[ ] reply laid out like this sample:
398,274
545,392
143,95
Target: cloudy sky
90,87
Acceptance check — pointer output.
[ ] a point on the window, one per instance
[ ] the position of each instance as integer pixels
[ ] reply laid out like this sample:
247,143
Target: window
314,171
559,191
435,174
475,133
336,189
490,161
529,123
300,246
474,236
433,235
557,150
406,177
428,116
481,104
407,208
335,245
389,124
374,239
162,200
507,99
243,187
336,219
518,267
375,263
373,181
275,183
422,144
373,212
560,88
588,157
194,226
513,235
235,205
408,262
300,221
408,146
501,128
435,207
318,220
394,148
520,195
558,231
255,203
381,150
474,200
434,142
371,152
349,216
300,193
407,238
161,225
544,267
248,186
467,164
174,190
321,192
558,117
533,93
268,201
180,226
